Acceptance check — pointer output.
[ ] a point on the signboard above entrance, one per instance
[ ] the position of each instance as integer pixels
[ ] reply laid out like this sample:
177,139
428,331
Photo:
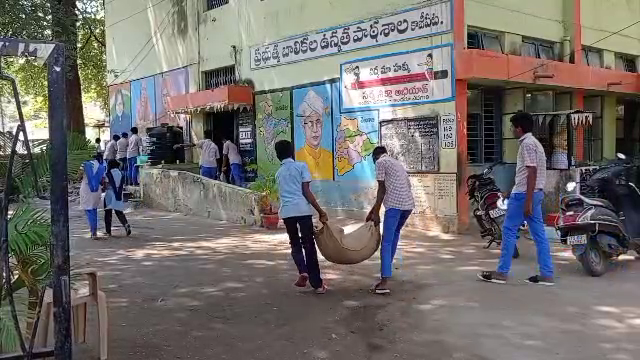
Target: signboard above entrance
431,19
404,78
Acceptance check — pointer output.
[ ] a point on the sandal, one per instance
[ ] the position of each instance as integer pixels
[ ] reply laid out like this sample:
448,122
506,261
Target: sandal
376,289
302,281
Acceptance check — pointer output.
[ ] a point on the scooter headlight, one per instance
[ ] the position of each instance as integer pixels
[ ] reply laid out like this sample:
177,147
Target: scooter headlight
571,186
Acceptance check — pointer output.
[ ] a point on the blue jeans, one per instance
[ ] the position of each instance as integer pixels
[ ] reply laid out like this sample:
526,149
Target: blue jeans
132,170
237,174
513,220
124,167
92,218
394,220
209,172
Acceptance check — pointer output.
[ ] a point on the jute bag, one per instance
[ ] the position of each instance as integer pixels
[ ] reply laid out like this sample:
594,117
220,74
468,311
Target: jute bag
347,249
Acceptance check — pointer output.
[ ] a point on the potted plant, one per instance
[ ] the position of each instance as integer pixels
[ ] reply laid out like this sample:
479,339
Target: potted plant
267,186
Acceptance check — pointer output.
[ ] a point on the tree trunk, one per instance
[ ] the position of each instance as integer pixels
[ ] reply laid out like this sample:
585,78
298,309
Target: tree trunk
64,21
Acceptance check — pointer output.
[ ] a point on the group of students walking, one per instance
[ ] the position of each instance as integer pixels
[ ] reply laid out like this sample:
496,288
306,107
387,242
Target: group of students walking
100,175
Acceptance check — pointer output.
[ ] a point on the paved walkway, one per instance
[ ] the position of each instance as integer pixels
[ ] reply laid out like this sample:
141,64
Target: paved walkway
188,288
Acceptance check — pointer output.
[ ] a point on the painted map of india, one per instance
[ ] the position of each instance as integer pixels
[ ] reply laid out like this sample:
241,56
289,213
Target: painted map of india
352,145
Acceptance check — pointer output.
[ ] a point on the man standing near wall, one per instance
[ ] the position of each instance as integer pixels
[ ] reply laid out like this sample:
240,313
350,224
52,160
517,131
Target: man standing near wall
208,157
133,151
121,155
232,159
525,203
111,150
318,159
394,189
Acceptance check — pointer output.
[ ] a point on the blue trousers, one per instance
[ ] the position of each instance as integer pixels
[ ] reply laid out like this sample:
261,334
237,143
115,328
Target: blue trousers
124,167
394,220
302,239
237,174
513,220
209,172
92,218
132,171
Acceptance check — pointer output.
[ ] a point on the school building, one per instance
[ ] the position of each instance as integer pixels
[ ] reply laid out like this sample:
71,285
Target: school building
434,81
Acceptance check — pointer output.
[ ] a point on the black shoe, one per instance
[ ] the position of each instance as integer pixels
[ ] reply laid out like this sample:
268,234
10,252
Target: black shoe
540,280
128,229
492,276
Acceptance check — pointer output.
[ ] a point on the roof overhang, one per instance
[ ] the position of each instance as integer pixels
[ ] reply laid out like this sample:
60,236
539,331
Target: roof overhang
224,98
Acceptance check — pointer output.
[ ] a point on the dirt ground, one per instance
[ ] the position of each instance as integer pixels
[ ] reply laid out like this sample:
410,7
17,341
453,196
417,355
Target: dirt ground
189,288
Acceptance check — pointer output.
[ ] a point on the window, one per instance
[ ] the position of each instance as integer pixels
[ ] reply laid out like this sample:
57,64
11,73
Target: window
538,49
219,77
592,145
539,101
592,57
484,143
484,41
213,4
626,63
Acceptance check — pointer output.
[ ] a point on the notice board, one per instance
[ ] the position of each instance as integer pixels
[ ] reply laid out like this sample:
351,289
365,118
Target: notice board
413,141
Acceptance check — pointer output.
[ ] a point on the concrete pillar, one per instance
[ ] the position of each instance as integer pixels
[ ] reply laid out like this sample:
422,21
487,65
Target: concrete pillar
461,114
609,127
513,102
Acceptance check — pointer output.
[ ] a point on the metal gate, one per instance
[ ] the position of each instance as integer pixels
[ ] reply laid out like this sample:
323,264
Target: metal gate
51,54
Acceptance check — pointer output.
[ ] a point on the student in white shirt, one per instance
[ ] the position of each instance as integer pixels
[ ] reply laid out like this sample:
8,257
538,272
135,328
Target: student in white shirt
208,157
122,145
112,148
133,151
232,157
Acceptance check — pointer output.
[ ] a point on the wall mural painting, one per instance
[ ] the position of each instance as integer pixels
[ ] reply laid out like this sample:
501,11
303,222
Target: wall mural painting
356,135
120,108
313,129
273,123
143,103
168,84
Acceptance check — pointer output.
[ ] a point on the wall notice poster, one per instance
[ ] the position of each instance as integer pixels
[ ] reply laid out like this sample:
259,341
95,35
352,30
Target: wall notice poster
120,108
312,129
246,143
168,84
448,131
355,138
434,18
273,123
413,141
412,77
434,194
143,103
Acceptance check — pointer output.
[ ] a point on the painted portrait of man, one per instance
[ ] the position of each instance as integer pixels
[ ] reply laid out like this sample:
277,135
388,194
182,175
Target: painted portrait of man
311,115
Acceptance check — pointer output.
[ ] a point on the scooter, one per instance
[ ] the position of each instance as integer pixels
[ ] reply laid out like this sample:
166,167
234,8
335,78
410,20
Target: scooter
604,224
490,206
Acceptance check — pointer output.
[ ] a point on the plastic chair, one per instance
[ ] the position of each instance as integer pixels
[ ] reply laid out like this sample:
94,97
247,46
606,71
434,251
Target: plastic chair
81,296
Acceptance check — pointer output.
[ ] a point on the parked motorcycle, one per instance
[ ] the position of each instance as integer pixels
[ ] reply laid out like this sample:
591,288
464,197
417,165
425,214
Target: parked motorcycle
490,206
604,223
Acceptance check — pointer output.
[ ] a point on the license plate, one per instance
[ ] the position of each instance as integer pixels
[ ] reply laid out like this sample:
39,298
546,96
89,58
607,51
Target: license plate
576,240
496,212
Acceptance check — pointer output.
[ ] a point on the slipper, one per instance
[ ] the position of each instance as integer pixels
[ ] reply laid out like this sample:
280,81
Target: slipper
379,291
302,281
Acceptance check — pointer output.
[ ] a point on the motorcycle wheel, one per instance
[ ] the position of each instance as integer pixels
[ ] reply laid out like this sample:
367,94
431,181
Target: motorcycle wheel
497,228
594,260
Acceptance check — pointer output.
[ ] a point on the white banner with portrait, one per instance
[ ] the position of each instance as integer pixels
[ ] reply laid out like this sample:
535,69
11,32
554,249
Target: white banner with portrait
431,19
412,77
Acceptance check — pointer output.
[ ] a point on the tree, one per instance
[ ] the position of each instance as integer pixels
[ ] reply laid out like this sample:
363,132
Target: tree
79,24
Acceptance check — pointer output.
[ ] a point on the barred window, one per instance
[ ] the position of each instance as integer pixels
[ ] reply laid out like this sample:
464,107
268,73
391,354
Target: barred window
626,63
220,77
484,143
213,4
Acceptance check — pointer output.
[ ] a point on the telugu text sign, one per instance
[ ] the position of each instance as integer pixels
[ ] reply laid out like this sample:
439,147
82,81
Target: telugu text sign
413,77
420,22
448,131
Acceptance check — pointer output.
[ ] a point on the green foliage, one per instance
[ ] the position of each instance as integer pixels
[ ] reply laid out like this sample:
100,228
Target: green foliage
31,19
268,186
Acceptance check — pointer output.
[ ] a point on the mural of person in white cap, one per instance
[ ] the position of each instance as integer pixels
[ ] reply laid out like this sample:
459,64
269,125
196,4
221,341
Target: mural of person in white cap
311,114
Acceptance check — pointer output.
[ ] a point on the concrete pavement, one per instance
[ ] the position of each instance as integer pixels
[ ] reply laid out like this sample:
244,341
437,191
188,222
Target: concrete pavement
189,288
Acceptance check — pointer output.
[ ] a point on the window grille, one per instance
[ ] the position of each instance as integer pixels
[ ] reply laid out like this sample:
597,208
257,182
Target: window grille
219,77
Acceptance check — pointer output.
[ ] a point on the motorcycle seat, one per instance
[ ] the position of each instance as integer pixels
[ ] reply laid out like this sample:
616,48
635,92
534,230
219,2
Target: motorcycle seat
598,202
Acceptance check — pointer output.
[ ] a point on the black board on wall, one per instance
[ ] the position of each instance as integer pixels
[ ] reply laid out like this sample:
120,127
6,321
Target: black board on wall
247,142
413,141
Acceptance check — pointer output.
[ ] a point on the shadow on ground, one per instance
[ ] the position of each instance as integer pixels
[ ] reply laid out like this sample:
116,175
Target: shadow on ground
189,288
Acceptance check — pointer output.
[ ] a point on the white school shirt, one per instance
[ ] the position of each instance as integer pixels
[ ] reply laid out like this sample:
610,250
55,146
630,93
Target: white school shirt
230,149
133,149
122,146
111,150
210,153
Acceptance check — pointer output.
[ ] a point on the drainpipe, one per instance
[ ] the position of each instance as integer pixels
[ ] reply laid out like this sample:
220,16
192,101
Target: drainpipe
566,49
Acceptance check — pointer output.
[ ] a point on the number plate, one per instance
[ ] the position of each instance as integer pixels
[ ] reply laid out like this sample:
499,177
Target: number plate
496,212
576,239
